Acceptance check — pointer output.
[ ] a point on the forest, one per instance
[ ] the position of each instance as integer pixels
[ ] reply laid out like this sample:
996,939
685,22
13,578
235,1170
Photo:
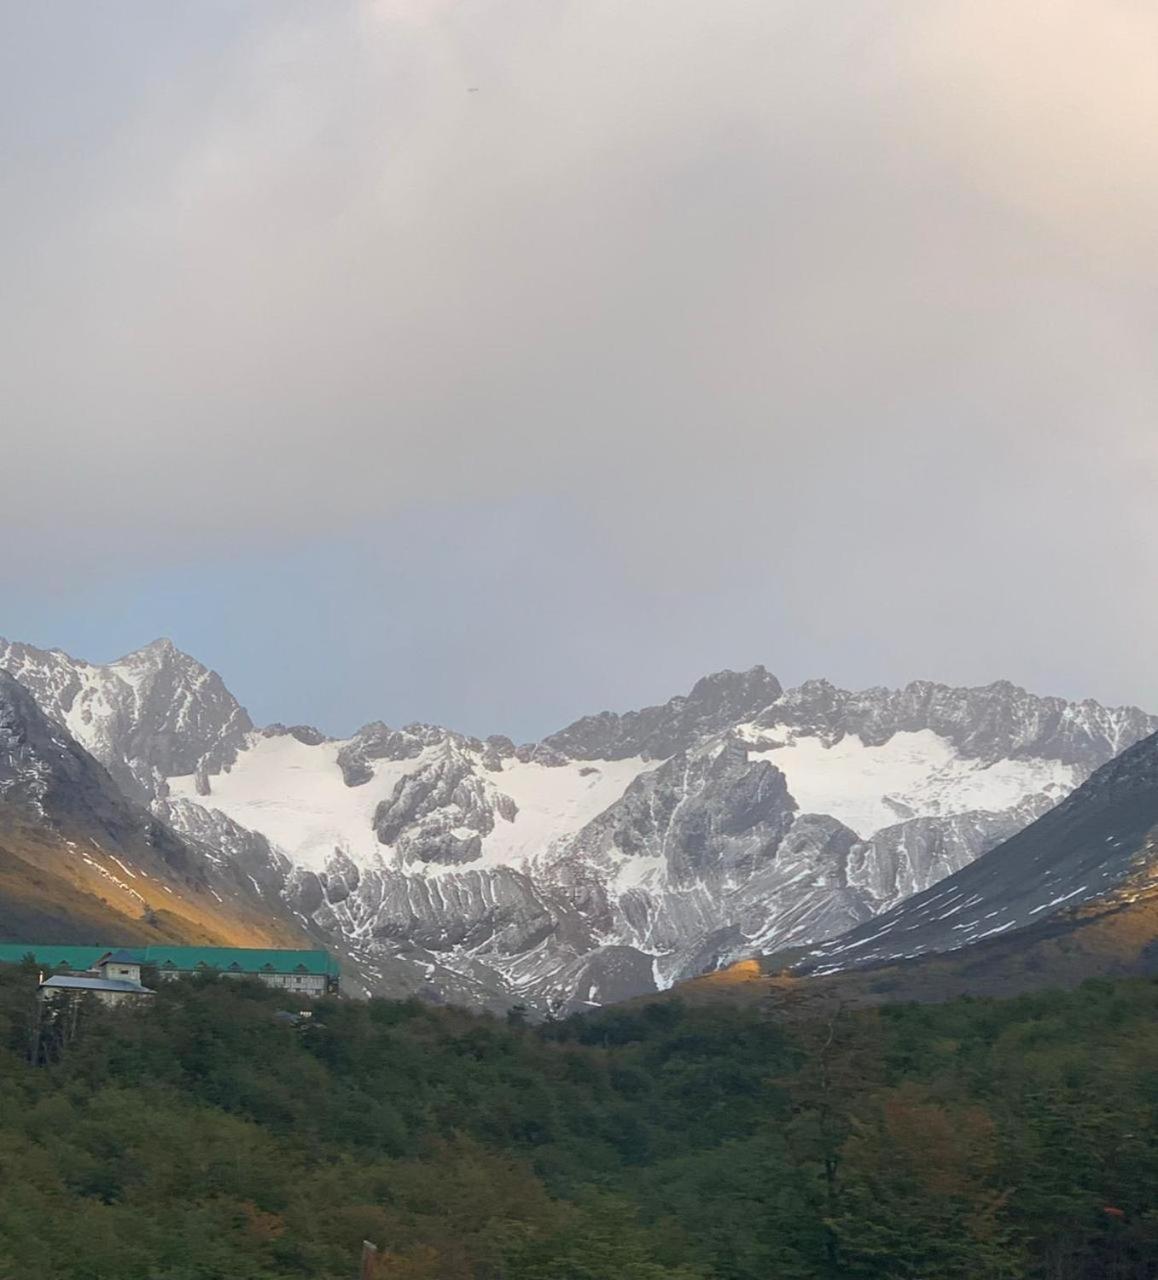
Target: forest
205,1137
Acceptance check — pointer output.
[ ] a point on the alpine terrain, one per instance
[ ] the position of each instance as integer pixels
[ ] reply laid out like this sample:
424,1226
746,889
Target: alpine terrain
81,861
615,857
1084,873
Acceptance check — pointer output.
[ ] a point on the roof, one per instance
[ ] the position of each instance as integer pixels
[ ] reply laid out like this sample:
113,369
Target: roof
65,982
183,959
51,956
120,957
241,959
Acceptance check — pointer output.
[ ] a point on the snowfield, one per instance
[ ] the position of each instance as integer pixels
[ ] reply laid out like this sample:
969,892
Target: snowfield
554,803
295,796
913,775
623,852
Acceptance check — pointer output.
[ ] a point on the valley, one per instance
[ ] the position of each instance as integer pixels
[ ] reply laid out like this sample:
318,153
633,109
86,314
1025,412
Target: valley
617,857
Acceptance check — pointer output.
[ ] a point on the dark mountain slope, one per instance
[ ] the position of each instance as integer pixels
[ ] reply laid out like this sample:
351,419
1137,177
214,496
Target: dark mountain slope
621,854
1109,938
81,862
1074,896
1098,847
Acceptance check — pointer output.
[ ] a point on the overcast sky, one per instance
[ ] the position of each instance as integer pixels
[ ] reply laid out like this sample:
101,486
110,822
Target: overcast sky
496,361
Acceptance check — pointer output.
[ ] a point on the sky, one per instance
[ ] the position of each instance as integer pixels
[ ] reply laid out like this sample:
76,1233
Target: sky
493,362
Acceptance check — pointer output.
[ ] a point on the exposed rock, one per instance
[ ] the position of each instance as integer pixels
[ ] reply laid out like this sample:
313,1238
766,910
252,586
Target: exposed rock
377,741
1098,846
48,778
715,704
642,847
439,813
303,733
246,858
154,713
999,721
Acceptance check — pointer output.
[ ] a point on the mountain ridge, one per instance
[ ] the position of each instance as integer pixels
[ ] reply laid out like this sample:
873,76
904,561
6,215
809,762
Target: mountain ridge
1100,845
616,856
80,861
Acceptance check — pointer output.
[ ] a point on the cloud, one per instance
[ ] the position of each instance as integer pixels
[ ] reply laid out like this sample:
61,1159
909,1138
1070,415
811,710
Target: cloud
852,305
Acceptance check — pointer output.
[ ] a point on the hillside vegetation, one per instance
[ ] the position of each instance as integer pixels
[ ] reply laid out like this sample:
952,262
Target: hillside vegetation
205,1139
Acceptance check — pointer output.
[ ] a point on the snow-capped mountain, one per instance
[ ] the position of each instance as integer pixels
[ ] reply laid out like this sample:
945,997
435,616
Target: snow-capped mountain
616,856
1099,846
80,861
153,714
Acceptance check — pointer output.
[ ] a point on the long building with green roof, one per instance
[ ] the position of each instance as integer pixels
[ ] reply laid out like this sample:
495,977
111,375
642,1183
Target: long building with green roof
310,973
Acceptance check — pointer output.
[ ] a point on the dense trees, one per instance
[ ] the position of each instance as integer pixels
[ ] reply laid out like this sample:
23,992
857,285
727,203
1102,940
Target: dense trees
204,1138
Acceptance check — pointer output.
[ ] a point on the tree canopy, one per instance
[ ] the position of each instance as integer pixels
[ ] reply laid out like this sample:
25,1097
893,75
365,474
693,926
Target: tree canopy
204,1137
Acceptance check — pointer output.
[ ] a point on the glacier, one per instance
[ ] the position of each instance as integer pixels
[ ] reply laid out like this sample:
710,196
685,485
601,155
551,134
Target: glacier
618,855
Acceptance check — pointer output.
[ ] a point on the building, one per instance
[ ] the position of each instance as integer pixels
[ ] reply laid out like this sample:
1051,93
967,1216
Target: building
114,979
307,973
120,966
106,990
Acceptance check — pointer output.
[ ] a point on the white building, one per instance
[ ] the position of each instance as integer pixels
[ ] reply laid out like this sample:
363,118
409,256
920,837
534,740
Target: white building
114,982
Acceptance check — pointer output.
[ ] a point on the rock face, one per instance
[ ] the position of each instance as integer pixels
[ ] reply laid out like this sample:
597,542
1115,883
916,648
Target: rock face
154,714
1098,846
83,862
997,722
715,704
47,779
376,741
441,812
618,855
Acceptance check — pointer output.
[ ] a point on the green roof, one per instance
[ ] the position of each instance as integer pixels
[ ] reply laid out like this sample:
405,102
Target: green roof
184,959
51,956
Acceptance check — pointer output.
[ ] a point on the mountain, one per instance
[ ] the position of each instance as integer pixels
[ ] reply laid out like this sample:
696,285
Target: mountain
1093,857
617,856
1073,896
81,862
153,714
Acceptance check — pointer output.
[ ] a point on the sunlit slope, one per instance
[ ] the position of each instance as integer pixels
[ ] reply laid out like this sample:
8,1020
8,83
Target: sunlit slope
79,862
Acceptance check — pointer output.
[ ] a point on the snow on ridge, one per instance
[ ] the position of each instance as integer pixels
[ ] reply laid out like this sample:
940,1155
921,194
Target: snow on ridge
295,795
554,802
913,774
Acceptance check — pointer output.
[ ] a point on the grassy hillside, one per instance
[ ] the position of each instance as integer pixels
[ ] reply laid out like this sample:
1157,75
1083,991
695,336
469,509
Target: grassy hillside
204,1138
52,893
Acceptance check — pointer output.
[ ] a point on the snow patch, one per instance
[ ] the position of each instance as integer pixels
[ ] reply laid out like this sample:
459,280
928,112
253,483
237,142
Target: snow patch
554,803
912,775
295,795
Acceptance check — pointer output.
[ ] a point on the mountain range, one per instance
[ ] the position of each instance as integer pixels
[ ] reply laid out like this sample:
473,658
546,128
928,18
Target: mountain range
1073,896
616,857
1083,876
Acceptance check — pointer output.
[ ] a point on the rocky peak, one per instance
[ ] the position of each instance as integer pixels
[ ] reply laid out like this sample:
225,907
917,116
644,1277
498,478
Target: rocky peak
162,649
714,705
1088,850
993,722
153,714
377,741
48,778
